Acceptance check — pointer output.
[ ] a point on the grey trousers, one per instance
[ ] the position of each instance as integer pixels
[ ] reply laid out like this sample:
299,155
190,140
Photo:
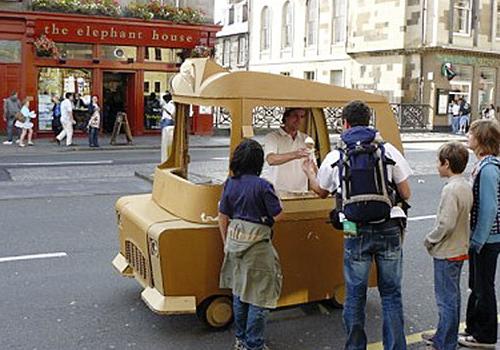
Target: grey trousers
11,129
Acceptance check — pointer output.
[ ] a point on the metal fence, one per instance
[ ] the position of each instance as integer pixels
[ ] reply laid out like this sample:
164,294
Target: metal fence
408,117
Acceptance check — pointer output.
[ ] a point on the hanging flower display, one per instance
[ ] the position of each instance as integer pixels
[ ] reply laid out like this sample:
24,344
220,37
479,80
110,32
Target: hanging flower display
45,47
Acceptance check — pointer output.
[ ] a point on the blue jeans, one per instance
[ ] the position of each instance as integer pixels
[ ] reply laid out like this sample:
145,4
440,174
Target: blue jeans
447,291
93,132
380,243
250,323
455,124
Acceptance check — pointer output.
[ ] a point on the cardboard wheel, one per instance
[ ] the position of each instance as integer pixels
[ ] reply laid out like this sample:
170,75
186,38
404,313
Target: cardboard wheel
216,312
338,299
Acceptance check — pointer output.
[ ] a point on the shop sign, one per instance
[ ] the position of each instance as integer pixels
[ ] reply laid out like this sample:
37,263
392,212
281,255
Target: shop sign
468,60
98,33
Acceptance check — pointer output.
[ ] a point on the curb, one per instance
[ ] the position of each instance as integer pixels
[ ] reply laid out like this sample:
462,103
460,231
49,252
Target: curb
145,177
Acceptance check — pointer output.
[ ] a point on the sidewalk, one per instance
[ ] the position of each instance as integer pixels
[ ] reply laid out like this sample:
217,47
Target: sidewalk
216,141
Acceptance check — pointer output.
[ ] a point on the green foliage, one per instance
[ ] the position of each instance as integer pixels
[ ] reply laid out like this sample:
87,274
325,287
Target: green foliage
148,11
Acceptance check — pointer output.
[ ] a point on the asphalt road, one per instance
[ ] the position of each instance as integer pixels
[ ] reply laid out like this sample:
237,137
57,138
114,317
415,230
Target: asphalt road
73,299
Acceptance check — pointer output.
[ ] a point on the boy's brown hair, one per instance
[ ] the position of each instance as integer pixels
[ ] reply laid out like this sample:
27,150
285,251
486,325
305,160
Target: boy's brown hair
487,134
456,154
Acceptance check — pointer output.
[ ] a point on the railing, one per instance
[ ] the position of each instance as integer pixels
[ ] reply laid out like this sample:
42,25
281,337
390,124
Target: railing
408,117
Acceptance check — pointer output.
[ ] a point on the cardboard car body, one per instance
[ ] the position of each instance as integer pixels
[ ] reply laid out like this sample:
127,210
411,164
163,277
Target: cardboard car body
169,239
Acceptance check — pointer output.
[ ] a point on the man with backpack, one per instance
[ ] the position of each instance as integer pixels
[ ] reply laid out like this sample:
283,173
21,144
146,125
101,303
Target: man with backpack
360,173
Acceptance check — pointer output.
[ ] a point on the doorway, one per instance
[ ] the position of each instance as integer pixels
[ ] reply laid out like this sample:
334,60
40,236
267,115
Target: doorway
117,88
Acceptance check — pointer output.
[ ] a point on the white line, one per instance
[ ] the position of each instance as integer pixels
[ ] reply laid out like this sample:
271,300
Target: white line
97,162
425,217
33,256
220,158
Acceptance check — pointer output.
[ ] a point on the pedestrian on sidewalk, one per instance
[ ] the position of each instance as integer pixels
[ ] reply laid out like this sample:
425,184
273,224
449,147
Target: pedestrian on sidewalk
11,106
56,116
94,122
167,124
26,125
481,320
67,120
448,243
465,111
455,121
248,209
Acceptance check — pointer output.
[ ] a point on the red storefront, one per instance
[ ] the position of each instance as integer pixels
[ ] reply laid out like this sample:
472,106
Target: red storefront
127,63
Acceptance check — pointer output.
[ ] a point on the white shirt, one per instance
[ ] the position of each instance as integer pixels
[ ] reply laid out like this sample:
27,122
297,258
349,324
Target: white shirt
168,110
288,176
66,111
328,176
455,109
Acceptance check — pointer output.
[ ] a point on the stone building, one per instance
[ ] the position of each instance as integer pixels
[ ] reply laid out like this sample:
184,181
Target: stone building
423,52
231,49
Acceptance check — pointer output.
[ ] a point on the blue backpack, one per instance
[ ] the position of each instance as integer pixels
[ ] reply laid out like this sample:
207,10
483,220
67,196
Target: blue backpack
366,194
57,110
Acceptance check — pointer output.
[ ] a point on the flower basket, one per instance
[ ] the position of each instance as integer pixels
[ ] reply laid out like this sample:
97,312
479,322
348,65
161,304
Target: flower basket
45,47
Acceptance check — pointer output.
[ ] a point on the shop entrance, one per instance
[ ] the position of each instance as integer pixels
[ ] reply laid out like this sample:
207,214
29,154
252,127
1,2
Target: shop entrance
117,96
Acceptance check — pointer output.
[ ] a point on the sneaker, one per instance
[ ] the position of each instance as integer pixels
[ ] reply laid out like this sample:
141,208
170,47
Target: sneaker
30,143
18,141
7,142
22,145
470,342
58,142
428,338
238,345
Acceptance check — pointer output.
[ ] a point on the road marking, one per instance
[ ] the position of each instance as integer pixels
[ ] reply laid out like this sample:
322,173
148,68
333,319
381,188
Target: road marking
424,217
220,158
33,257
95,162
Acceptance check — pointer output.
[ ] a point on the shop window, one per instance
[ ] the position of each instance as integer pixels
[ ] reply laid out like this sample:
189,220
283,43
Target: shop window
57,82
75,51
462,16
118,53
265,31
10,51
286,27
153,99
337,77
165,55
339,22
310,75
486,93
311,22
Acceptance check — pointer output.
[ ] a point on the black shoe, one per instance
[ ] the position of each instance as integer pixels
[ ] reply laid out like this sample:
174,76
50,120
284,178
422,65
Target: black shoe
58,142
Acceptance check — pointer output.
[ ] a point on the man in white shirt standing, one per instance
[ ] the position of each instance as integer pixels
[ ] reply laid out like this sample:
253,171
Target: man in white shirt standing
379,241
284,150
67,120
167,125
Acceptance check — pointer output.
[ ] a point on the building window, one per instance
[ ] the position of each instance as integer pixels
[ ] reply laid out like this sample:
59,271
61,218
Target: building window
75,51
242,49
157,86
244,13
146,87
462,16
226,52
10,51
311,22
286,28
337,77
498,19
157,54
486,93
309,75
231,15
118,53
338,21
265,31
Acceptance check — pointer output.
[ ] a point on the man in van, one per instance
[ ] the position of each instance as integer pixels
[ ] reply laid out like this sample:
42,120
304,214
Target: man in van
285,149
368,241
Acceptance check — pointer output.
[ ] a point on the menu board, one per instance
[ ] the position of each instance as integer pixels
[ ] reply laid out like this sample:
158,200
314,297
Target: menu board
45,106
